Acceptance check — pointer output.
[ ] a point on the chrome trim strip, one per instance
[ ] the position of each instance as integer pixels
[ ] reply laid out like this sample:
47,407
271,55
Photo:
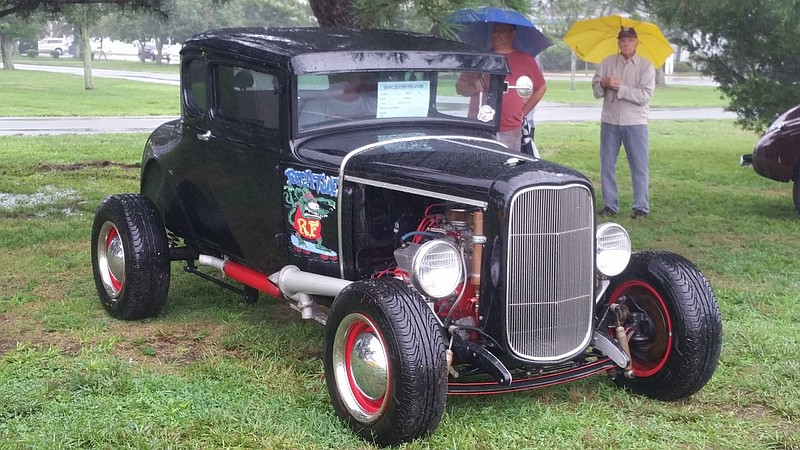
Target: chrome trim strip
397,187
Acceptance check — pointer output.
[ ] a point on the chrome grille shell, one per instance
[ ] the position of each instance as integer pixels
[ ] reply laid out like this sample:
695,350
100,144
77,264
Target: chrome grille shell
550,272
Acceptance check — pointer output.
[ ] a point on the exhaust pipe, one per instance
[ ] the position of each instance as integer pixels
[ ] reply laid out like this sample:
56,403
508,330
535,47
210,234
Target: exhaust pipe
290,281
242,274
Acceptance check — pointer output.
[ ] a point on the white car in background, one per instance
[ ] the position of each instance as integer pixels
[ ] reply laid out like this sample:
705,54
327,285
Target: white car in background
57,45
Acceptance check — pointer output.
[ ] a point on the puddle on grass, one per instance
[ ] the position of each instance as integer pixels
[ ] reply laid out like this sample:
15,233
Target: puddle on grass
47,200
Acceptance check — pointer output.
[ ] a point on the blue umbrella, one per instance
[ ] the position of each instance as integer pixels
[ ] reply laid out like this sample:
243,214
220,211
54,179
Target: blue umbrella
477,28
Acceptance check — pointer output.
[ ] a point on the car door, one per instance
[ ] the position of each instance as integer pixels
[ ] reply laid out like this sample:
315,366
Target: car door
194,164
244,147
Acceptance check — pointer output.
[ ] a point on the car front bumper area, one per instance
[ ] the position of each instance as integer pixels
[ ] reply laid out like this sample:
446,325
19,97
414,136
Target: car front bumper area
746,160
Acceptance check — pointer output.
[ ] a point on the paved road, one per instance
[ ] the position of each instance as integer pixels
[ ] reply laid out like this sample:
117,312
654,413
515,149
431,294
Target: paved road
34,126
150,77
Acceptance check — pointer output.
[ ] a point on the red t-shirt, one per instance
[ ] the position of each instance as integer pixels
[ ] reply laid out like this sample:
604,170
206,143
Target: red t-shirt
520,63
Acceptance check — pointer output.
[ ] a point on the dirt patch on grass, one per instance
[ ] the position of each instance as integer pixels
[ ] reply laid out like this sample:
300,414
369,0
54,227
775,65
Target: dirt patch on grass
86,165
174,344
156,346
21,329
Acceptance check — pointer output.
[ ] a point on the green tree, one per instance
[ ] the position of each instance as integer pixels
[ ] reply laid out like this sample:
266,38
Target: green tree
749,48
25,8
187,17
139,27
83,18
415,15
562,14
13,28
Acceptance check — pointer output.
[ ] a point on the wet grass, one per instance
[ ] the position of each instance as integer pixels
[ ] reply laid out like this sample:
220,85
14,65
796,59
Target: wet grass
669,96
28,93
210,372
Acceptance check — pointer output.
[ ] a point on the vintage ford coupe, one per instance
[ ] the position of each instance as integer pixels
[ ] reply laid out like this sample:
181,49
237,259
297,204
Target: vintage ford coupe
339,170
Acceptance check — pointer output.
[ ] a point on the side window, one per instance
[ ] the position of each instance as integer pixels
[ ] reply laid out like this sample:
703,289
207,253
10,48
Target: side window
248,96
194,87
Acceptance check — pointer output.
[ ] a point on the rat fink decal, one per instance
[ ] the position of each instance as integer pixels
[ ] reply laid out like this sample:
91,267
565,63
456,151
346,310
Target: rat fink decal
309,197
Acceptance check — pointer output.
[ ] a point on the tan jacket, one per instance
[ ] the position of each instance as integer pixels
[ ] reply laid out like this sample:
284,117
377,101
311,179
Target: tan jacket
629,105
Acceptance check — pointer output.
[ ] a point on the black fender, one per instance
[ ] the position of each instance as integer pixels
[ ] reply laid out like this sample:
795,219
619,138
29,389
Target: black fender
156,185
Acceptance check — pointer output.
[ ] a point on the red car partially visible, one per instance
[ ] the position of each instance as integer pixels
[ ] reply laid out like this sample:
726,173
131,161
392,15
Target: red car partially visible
777,154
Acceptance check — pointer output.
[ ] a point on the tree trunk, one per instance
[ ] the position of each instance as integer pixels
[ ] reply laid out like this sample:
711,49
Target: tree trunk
159,50
86,55
7,49
572,68
661,80
333,13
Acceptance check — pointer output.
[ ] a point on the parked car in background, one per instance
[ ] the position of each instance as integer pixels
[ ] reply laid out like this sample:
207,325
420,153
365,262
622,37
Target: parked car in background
777,154
339,170
150,53
53,46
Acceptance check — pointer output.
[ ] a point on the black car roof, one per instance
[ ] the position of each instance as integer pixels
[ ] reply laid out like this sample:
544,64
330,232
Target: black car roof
324,49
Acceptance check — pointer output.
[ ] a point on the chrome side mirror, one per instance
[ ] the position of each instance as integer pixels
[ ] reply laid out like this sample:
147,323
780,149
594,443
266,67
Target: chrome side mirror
524,86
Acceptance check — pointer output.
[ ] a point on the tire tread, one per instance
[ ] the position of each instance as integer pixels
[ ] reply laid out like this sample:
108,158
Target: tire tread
696,322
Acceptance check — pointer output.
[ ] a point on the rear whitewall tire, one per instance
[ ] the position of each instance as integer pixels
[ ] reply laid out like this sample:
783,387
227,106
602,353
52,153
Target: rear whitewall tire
130,257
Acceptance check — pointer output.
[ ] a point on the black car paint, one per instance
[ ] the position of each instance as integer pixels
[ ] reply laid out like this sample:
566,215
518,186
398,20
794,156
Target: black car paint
342,49
443,160
384,176
430,161
183,181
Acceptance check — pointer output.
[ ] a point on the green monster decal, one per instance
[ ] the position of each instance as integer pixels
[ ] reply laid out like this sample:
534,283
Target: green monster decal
307,209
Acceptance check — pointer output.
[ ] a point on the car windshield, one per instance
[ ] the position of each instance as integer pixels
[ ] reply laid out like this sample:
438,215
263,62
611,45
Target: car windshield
337,98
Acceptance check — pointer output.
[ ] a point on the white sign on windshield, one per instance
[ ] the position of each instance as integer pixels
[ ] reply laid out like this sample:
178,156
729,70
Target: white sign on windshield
403,99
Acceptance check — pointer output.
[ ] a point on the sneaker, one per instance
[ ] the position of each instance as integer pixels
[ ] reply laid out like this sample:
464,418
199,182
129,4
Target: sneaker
638,214
607,212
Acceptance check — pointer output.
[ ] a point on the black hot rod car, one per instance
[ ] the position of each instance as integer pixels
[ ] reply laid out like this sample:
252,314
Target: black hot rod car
338,169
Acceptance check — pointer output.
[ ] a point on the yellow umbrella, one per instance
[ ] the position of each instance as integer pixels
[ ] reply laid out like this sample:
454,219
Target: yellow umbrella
594,39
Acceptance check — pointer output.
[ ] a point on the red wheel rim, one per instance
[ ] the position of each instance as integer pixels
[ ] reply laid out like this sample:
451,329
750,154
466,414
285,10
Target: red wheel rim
116,283
371,406
361,368
110,260
648,360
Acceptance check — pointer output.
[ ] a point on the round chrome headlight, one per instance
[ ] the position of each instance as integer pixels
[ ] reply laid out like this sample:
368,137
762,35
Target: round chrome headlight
437,269
613,249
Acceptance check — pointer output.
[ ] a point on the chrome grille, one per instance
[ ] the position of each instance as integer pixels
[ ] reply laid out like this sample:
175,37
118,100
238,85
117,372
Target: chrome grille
550,272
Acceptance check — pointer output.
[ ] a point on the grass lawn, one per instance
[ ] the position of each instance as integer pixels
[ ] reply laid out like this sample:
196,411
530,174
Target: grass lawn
212,373
27,93
669,96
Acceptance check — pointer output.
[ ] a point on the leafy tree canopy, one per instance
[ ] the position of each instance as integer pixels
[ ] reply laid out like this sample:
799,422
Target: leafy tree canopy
414,15
749,48
25,8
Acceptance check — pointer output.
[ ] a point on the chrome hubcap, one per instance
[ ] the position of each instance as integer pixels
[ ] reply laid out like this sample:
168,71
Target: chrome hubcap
361,368
111,259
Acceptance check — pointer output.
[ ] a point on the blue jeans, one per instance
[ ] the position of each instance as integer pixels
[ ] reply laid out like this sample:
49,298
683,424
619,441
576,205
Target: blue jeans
637,148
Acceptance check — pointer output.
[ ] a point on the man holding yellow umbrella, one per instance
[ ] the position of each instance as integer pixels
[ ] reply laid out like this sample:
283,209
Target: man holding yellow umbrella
625,80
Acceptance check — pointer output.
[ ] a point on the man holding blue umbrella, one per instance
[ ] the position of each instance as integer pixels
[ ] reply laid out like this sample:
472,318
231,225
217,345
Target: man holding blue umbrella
521,63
